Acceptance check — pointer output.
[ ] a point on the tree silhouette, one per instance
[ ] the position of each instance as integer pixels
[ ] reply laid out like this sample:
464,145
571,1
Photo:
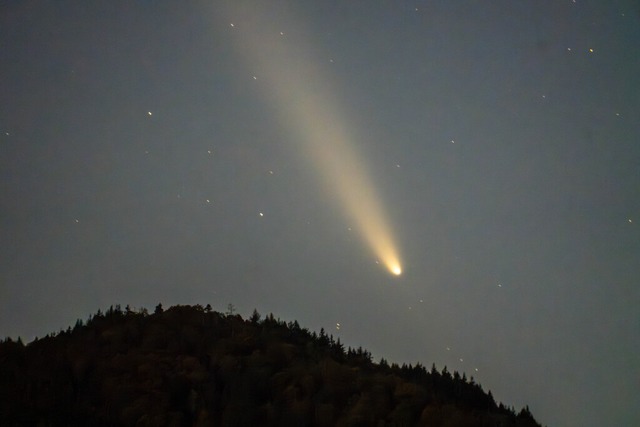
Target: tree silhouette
158,309
255,316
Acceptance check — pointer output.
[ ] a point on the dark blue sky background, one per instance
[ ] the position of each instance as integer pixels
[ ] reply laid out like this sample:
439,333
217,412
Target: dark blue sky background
503,138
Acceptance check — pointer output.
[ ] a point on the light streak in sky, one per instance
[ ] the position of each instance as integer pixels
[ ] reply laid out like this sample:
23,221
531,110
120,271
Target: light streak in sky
305,105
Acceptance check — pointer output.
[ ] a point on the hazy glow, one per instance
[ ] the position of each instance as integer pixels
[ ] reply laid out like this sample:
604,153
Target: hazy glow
292,81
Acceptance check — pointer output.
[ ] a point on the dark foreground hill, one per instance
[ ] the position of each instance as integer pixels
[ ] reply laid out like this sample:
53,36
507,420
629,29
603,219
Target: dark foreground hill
190,366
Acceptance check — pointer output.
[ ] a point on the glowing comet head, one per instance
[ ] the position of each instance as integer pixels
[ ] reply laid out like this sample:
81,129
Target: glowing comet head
396,270
393,265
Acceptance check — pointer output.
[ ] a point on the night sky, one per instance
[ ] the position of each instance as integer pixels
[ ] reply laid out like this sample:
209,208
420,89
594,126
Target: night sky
276,155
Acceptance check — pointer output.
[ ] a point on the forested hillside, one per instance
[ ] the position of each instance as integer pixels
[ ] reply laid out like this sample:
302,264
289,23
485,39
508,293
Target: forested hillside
191,366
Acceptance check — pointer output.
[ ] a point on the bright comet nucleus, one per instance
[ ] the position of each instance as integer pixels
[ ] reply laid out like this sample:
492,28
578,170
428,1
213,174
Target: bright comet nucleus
306,105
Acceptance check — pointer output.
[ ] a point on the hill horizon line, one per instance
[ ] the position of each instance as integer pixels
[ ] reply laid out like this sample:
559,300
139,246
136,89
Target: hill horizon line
204,365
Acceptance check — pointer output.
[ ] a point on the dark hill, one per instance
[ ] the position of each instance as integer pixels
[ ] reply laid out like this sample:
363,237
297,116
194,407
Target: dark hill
190,366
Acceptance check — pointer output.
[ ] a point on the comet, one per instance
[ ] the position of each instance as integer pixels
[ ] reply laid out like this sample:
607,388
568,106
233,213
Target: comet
306,105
